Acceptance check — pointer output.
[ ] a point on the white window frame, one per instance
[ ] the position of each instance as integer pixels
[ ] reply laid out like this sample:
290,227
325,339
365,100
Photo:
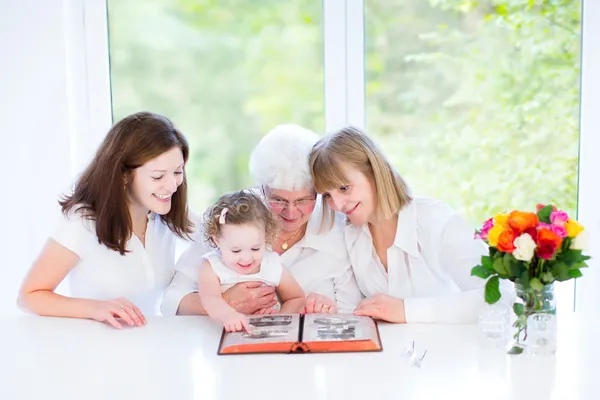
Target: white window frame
588,205
344,91
343,34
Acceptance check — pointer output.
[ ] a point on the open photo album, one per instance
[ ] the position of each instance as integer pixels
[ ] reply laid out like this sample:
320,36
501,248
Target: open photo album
309,333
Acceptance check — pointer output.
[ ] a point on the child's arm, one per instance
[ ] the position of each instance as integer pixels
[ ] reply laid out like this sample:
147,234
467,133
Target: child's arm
290,293
209,289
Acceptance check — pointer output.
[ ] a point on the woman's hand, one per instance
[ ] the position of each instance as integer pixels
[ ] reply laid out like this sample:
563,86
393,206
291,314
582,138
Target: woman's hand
318,304
266,311
249,297
383,307
235,322
109,311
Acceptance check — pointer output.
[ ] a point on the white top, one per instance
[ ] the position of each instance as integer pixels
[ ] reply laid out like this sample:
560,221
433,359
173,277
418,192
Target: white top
103,274
176,358
429,264
319,262
270,270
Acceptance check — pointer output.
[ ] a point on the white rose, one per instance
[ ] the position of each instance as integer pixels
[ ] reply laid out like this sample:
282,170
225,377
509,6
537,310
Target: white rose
525,247
581,241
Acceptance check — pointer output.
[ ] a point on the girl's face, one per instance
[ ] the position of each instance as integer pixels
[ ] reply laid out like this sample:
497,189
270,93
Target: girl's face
242,247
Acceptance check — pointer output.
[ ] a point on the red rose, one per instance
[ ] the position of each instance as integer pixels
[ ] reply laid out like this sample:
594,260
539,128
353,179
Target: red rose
547,242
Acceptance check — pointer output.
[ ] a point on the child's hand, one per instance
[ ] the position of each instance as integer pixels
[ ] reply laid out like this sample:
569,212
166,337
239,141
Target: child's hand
236,322
265,311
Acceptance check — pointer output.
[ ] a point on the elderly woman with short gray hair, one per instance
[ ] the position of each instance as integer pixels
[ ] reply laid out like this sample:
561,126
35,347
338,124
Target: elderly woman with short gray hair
318,260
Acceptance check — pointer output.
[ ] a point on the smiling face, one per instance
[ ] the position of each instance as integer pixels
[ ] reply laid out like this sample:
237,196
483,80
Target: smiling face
291,208
151,186
242,246
356,198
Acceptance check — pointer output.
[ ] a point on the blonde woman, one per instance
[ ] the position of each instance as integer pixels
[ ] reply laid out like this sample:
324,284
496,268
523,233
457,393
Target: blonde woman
411,256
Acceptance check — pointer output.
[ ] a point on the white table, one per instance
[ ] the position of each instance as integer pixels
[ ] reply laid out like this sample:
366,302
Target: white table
175,358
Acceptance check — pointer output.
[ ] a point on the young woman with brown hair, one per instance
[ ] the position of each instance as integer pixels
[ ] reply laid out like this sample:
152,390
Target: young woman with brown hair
116,238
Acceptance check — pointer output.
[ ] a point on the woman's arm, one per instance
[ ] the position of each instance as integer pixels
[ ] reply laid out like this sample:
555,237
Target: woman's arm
48,271
458,253
290,293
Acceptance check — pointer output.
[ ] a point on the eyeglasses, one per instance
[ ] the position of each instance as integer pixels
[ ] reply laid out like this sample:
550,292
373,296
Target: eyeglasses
304,205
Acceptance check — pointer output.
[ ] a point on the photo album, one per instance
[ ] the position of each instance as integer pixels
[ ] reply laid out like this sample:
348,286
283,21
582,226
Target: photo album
308,333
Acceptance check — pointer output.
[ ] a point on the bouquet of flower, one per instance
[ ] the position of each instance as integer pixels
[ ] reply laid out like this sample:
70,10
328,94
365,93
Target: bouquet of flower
533,250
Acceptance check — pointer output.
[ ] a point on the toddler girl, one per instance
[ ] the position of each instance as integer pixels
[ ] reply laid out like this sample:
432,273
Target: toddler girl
240,227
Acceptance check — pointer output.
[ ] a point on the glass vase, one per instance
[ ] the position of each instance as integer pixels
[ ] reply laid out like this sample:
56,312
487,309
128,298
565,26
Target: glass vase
536,320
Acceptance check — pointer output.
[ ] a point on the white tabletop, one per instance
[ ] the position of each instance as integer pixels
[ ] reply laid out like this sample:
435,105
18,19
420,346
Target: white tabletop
175,358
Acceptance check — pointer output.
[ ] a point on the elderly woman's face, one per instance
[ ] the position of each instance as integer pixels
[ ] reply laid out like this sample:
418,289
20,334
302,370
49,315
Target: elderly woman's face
291,208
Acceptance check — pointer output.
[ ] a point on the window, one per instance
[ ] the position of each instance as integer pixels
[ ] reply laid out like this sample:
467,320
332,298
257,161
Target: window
477,103
225,72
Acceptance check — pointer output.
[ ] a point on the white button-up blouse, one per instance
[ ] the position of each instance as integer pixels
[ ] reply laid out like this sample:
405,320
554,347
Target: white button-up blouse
429,264
141,275
319,262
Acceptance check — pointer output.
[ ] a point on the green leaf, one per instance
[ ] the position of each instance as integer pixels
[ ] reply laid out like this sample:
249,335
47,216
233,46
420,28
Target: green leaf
544,213
547,277
518,308
575,273
515,350
579,264
499,266
481,272
486,263
506,260
492,290
560,270
524,279
536,284
570,256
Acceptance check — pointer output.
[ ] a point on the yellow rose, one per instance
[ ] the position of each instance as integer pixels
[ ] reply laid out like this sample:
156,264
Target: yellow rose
494,234
501,220
573,228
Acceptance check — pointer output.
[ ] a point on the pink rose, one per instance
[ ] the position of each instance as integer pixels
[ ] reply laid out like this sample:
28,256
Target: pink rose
559,218
558,230
483,234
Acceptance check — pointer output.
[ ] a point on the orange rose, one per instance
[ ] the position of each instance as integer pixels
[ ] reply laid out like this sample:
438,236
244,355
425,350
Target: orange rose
521,221
506,241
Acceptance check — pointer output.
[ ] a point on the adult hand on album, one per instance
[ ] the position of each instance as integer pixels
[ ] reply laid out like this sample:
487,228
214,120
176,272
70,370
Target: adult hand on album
318,304
383,307
250,297
266,311
109,311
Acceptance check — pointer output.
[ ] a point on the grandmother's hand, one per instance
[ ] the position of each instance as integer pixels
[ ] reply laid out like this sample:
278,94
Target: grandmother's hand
383,307
249,297
318,304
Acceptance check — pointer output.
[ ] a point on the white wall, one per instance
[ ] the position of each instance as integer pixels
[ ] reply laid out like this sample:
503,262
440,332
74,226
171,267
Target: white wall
34,133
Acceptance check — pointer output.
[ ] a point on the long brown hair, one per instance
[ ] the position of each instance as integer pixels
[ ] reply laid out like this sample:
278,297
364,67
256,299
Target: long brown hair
242,207
353,147
100,192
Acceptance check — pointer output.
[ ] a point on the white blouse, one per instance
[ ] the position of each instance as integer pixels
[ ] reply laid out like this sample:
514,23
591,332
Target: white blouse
319,262
429,264
270,271
140,275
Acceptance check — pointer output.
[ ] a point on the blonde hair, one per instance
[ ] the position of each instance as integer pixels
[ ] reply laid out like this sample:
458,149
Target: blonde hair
243,207
350,146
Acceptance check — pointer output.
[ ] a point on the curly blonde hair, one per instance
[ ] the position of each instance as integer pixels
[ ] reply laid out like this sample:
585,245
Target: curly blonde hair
243,207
